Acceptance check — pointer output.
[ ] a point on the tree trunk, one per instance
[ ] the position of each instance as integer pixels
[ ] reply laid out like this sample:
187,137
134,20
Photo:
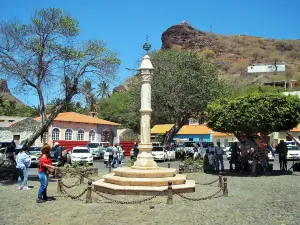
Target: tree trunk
295,139
44,126
174,130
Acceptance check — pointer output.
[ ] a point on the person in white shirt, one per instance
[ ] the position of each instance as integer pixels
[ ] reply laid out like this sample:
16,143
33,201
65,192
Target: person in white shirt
219,157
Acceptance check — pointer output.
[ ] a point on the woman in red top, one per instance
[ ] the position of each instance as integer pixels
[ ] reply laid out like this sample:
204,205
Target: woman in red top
44,170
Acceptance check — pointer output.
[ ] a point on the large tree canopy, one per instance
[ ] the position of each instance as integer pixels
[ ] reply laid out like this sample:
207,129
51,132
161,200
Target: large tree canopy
256,113
182,85
44,55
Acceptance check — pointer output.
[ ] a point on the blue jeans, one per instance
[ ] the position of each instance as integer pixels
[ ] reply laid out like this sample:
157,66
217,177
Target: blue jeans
42,194
220,160
115,160
23,177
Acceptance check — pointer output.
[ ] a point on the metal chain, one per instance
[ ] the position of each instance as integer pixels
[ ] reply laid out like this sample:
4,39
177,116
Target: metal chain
209,182
199,199
89,178
67,186
72,196
128,202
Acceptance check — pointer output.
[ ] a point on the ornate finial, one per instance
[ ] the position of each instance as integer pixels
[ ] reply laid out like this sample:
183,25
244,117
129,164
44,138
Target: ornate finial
147,46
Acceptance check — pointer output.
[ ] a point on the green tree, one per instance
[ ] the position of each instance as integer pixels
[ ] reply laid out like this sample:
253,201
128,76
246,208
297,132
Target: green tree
42,54
256,113
103,90
118,108
182,86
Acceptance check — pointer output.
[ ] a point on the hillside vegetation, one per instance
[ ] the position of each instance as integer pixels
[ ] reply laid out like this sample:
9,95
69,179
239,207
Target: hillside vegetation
233,54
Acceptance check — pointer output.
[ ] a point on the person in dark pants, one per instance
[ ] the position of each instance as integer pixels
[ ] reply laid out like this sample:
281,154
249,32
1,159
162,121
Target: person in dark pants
235,157
282,151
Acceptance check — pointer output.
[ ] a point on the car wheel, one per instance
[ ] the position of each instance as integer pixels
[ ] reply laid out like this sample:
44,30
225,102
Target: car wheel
91,164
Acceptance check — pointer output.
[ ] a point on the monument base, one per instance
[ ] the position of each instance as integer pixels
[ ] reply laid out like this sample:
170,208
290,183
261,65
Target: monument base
132,181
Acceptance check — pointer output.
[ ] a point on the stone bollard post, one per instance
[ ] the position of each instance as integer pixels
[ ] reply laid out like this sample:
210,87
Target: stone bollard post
89,193
58,186
170,193
225,189
220,181
169,165
81,178
109,169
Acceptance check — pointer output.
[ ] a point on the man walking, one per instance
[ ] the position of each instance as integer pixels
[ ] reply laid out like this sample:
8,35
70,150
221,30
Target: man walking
115,154
282,151
219,157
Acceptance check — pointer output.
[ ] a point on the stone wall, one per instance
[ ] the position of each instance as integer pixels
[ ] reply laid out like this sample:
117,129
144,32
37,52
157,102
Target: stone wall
7,135
190,168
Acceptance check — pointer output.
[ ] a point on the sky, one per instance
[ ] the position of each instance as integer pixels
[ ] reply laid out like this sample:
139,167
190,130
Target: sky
124,24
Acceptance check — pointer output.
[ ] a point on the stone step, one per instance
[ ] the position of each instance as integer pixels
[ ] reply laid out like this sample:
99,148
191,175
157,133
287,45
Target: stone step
132,181
138,173
115,189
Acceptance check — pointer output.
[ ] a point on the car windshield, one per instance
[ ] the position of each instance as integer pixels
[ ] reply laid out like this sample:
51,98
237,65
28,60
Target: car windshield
34,149
293,148
4,144
80,150
189,144
290,143
93,145
157,149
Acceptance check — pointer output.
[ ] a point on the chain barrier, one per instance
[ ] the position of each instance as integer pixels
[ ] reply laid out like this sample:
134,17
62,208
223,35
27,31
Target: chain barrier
128,202
199,199
209,182
76,197
67,186
90,178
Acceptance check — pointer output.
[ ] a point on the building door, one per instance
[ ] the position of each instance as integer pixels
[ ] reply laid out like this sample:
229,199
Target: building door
16,139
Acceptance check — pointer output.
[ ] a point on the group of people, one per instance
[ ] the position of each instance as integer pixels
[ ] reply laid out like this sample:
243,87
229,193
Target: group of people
213,159
60,154
23,163
116,155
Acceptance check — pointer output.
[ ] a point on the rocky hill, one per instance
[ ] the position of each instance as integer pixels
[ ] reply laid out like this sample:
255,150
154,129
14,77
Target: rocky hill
234,53
6,94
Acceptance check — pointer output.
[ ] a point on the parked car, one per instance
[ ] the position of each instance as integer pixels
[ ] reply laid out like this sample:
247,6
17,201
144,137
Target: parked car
159,153
228,154
98,148
270,156
3,146
81,155
293,152
35,160
34,150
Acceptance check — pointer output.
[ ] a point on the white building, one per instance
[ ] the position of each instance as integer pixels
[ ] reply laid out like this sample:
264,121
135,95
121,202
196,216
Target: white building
6,120
266,68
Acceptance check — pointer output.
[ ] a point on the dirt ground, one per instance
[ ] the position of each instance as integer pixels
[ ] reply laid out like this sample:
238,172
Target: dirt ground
251,200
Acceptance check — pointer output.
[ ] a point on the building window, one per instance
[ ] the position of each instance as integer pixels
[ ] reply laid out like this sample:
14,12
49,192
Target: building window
55,134
92,135
80,135
10,121
68,134
191,139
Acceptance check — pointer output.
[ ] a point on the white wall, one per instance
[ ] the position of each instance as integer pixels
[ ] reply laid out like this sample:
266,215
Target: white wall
268,68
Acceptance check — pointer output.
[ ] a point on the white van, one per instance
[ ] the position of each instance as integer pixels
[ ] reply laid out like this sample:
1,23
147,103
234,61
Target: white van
97,149
293,152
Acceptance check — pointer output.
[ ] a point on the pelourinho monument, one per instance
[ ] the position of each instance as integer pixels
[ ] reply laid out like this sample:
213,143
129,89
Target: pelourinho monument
144,177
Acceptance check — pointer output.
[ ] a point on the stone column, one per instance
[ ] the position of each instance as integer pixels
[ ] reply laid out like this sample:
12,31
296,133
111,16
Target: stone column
145,158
